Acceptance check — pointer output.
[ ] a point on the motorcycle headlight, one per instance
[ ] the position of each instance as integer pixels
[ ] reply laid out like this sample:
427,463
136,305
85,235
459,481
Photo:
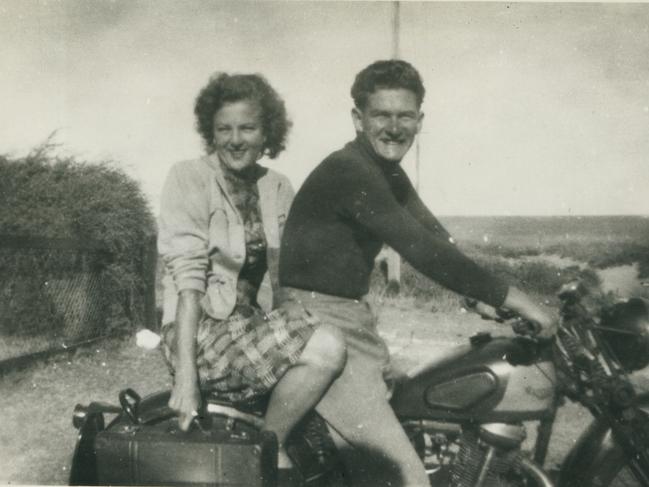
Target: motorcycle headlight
625,328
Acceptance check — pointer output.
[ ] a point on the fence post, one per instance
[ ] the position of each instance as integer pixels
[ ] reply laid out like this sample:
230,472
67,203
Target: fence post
149,264
394,267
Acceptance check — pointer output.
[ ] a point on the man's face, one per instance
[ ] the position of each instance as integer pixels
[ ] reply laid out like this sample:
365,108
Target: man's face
389,121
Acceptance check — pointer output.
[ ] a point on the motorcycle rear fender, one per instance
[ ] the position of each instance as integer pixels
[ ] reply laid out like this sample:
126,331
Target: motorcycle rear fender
589,461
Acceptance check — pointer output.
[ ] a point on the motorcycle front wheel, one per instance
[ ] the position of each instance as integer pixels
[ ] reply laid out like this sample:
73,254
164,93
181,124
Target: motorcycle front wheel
625,478
616,472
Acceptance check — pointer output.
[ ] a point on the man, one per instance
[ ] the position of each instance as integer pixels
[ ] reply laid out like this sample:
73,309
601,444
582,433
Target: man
356,200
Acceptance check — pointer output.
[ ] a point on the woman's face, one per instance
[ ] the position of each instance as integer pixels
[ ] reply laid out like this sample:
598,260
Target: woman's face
238,135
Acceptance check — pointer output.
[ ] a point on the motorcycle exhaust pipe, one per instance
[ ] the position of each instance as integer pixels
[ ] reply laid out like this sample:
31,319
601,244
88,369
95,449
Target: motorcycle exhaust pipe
536,472
484,470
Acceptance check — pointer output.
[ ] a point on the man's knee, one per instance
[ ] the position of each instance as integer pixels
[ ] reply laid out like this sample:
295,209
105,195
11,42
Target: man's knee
326,349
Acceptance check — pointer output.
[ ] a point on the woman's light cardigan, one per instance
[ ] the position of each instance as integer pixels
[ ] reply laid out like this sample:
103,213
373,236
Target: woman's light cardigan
201,237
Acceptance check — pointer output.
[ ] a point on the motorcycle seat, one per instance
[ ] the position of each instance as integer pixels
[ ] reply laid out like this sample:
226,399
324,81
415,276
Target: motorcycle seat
257,406
155,408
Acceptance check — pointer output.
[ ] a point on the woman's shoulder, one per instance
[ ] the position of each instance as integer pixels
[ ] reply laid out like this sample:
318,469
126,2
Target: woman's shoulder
273,176
198,165
191,170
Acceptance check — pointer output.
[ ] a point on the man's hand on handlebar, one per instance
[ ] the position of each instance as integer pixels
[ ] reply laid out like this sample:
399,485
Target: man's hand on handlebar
532,319
537,315
485,311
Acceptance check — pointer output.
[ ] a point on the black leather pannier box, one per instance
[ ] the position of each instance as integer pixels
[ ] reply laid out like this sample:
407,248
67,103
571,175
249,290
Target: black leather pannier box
148,448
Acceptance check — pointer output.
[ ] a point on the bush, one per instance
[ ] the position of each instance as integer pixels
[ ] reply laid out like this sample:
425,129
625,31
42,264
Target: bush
425,293
62,197
536,278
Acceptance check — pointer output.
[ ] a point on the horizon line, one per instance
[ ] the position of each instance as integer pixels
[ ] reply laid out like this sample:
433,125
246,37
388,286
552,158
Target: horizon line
575,215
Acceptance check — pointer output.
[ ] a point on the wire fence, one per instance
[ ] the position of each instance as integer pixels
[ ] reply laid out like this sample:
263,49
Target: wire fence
53,296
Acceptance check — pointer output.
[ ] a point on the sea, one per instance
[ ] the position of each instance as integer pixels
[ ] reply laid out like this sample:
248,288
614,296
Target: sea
548,230
618,245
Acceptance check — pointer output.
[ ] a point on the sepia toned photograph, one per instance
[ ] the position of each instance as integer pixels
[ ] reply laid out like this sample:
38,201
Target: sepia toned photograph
324,243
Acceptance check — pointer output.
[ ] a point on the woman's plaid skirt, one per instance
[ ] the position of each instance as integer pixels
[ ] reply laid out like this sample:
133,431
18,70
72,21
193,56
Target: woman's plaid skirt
243,356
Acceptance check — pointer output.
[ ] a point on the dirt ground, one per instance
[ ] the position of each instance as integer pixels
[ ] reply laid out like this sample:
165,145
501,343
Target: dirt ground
37,437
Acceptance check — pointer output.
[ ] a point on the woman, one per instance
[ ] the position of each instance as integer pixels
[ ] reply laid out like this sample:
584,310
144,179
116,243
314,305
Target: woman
220,224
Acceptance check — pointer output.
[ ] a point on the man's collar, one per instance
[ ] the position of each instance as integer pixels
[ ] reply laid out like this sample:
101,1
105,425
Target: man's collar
367,150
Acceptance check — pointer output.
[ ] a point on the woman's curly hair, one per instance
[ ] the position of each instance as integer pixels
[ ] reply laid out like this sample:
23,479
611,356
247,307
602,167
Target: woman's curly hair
223,88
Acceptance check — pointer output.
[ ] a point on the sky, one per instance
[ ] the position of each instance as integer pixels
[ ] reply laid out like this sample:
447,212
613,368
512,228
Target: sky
531,108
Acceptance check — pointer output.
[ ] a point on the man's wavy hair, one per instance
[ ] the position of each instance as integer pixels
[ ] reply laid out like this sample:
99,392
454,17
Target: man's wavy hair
223,88
389,74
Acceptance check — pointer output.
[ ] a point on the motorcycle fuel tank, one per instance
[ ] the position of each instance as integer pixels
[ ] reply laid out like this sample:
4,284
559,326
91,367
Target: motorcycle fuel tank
490,379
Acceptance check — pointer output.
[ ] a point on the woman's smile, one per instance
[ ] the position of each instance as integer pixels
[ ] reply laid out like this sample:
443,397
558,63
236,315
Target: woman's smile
238,153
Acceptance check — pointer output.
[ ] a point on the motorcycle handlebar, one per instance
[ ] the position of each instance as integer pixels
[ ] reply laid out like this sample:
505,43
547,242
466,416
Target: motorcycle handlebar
486,312
525,328
519,325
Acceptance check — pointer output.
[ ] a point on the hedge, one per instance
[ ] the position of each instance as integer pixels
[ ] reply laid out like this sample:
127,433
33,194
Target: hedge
63,197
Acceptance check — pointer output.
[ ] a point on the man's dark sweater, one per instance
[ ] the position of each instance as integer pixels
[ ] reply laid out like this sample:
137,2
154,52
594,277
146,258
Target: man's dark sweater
352,204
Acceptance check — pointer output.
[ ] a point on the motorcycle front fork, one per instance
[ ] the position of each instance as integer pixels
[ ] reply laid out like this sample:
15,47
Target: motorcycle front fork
544,433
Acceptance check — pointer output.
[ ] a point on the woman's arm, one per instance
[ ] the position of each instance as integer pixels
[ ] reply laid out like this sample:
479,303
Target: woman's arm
185,394
184,226
285,196
182,242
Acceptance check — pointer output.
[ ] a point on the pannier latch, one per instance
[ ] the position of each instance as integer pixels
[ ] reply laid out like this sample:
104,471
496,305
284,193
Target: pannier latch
130,402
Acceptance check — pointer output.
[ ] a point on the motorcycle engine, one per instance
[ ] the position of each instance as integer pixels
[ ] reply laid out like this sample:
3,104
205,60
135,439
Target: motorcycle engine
488,457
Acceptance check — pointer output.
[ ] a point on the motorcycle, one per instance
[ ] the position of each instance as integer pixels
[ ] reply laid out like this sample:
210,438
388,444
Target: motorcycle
466,412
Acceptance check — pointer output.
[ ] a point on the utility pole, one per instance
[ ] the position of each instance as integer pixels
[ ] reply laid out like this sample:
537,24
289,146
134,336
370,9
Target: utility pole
395,29
392,259
396,36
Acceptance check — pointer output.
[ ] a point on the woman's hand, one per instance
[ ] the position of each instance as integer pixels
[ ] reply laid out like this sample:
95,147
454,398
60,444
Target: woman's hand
185,400
528,309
